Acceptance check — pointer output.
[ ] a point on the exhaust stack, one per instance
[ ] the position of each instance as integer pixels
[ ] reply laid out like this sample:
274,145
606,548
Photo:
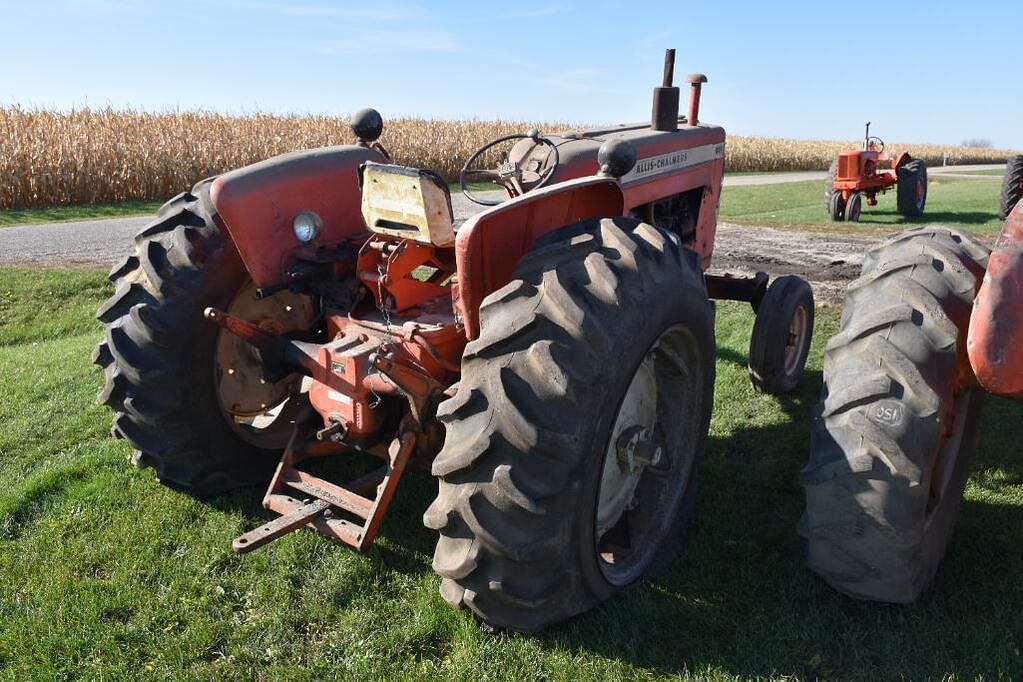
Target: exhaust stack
665,111
695,80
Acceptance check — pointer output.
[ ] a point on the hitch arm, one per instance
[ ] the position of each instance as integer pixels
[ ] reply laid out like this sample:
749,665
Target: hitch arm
276,351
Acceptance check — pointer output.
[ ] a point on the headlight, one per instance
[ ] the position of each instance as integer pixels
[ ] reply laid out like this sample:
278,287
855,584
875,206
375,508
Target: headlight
307,225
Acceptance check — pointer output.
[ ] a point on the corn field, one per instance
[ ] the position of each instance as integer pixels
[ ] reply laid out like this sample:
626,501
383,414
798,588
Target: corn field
87,156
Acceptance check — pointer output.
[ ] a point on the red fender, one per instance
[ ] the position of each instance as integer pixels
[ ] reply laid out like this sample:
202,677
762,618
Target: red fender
490,244
257,204
995,340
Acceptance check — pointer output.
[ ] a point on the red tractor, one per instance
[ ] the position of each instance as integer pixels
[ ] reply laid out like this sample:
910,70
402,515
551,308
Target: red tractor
931,327
869,172
550,360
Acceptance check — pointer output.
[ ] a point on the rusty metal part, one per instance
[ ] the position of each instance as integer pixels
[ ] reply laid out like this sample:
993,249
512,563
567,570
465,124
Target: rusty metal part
273,347
415,386
696,82
736,288
327,496
242,387
279,527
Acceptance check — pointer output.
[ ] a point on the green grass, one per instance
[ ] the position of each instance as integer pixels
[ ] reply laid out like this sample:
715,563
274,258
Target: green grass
961,203
106,574
63,214
999,172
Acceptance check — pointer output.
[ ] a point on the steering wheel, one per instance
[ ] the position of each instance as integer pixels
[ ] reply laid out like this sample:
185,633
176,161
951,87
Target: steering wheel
509,174
875,143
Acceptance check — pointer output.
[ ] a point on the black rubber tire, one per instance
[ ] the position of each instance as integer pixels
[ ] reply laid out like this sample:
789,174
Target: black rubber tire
1012,186
157,353
853,208
877,519
906,198
528,427
771,330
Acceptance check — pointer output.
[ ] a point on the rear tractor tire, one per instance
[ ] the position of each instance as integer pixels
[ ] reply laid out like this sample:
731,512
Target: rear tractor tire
911,191
893,436
781,338
186,396
1012,186
569,464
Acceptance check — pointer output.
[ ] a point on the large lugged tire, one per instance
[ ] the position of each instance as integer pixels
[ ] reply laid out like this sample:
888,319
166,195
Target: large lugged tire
158,353
911,191
893,436
594,309
1012,187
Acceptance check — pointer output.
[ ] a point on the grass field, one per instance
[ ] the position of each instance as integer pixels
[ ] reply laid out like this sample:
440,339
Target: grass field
62,214
967,204
999,172
106,574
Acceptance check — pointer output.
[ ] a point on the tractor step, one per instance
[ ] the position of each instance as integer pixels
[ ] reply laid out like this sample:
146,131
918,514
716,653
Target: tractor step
317,512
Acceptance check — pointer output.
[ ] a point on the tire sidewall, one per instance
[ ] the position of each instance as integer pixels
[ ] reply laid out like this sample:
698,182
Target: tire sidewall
785,295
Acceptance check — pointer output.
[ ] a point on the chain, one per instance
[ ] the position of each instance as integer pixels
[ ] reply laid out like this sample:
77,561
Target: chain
382,306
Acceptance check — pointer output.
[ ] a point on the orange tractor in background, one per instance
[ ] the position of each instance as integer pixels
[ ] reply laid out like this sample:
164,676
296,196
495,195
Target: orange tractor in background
868,172
550,360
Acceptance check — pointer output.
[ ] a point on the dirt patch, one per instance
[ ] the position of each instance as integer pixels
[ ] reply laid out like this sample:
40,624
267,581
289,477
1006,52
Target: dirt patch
828,261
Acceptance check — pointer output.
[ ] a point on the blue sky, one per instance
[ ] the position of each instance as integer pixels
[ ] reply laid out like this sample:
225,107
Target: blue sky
921,71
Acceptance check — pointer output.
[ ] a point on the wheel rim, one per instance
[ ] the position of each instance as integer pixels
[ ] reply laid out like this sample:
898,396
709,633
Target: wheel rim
921,193
649,456
260,412
798,330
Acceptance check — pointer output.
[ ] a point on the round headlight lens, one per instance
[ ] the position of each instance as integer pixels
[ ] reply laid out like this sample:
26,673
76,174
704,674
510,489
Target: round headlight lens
307,225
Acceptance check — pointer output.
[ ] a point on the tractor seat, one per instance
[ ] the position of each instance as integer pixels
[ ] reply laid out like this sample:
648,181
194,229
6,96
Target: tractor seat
407,203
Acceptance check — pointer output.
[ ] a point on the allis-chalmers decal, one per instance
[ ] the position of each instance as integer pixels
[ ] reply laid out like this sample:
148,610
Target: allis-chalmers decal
672,161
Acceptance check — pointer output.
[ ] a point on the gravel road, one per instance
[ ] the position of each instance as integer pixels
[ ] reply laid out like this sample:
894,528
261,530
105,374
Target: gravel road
828,261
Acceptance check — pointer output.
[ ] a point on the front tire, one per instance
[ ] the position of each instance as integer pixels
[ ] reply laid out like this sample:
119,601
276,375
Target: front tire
781,337
602,318
893,436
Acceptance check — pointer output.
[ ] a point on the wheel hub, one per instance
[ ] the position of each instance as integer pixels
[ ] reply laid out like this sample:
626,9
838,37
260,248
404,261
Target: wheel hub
251,403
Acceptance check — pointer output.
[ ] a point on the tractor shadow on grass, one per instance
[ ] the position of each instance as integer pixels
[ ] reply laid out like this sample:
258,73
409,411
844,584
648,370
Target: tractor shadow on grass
739,598
894,218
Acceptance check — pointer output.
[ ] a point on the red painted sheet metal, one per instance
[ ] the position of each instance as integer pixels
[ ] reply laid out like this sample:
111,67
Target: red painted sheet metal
995,341
490,244
257,204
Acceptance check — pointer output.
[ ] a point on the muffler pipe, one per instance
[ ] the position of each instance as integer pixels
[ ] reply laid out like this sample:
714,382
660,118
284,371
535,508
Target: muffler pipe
665,110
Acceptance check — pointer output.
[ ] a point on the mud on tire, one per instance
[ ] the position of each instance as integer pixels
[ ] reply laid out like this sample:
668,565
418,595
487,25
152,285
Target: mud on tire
157,352
529,426
892,438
